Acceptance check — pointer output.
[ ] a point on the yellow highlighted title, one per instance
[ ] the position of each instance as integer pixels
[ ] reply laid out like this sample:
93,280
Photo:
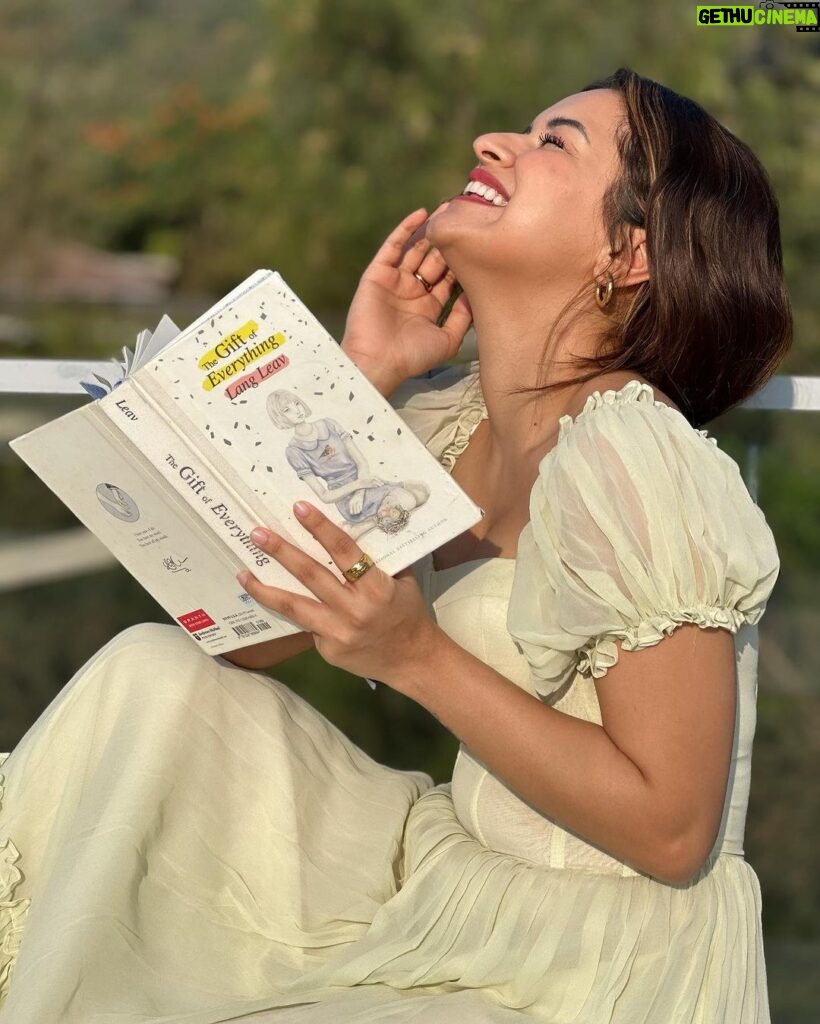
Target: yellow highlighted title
227,346
218,375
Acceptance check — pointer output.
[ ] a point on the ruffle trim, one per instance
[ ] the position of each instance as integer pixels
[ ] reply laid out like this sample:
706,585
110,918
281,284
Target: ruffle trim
12,912
633,392
600,653
472,411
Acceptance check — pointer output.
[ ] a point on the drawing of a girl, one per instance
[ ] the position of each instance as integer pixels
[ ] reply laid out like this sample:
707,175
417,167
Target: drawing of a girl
324,454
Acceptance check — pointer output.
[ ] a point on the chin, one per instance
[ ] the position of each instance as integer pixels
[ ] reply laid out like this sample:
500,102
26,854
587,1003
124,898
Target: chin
444,231
432,227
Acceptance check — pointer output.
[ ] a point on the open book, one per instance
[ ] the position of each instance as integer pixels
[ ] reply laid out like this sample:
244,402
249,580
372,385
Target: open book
205,433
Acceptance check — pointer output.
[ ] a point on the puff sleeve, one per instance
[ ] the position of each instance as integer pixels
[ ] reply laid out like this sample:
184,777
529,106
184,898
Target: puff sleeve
638,524
442,410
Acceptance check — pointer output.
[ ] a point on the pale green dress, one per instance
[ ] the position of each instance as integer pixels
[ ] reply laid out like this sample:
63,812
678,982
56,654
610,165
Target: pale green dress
184,840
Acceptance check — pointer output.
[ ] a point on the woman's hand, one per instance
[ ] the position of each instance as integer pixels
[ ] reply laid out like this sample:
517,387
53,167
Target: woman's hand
392,330
376,627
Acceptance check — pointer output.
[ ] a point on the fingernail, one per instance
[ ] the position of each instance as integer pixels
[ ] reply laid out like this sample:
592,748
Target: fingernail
259,536
301,508
243,577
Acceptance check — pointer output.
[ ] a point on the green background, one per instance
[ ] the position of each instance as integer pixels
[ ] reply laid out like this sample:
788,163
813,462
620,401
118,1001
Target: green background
295,135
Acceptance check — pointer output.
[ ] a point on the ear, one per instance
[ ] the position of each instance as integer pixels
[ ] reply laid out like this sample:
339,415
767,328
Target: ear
631,265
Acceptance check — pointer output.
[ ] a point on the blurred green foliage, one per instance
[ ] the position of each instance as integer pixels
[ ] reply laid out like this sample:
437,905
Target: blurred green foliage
295,135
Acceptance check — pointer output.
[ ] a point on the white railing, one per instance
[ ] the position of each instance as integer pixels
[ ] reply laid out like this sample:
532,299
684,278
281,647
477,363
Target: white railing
75,551
50,376
63,376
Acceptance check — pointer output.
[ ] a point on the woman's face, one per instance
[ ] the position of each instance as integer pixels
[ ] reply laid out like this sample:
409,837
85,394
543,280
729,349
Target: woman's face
293,410
543,219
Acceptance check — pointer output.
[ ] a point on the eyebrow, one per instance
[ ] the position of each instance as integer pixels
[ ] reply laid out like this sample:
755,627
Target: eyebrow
569,122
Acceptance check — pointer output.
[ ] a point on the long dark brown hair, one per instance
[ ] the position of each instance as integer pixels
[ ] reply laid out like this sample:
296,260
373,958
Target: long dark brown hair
713,322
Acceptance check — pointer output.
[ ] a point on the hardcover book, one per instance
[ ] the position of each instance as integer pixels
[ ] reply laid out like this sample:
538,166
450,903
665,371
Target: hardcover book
218,428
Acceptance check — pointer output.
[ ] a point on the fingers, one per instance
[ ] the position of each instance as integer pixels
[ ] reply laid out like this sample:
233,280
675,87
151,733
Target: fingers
304,611
407,248
342,548
417,246
409,235
417,242
444,287
458,322
337,598
309,615
419,255
316,577
428,262
393,247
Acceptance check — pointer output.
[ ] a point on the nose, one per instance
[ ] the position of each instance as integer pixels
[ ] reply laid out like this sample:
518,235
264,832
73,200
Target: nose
498,148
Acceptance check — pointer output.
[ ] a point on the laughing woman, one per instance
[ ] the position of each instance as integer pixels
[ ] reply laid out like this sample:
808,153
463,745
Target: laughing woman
187,840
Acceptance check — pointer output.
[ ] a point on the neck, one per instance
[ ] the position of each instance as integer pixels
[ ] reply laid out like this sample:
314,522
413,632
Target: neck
512,338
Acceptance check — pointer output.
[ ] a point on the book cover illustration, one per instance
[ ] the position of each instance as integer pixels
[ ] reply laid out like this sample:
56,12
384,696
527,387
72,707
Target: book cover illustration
287,415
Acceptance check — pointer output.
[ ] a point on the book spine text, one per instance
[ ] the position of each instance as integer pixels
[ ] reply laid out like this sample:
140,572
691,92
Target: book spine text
190,476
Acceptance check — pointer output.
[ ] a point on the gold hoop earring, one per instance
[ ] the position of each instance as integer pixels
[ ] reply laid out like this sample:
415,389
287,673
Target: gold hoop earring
603,298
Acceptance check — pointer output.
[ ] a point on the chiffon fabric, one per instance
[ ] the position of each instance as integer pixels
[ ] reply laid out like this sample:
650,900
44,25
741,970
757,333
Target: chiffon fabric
184,840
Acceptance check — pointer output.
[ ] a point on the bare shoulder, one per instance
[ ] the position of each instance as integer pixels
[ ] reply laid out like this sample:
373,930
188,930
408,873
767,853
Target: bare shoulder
615,381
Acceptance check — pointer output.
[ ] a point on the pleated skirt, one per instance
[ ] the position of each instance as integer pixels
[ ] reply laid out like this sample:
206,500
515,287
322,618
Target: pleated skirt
182,840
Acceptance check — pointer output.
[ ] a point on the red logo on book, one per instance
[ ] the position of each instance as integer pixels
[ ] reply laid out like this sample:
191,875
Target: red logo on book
194,621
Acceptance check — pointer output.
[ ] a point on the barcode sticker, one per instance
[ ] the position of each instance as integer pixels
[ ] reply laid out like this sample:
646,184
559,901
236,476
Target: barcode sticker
249,628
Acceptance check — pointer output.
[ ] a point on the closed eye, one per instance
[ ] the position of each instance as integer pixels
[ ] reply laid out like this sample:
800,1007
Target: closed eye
548,137
560,122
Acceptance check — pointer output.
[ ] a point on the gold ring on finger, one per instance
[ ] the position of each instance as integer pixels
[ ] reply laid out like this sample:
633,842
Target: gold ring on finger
427,286
359,569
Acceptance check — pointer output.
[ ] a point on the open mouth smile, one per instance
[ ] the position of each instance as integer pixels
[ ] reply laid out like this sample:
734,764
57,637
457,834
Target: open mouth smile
484,188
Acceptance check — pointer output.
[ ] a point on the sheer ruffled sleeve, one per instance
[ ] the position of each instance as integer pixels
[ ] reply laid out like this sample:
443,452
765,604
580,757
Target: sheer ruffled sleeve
442,410
638,524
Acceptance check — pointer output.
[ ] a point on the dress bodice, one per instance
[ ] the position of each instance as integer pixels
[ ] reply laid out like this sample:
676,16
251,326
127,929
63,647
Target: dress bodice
685,544
470,603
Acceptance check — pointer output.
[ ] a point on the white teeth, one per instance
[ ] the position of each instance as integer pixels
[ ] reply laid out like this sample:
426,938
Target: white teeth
485,192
